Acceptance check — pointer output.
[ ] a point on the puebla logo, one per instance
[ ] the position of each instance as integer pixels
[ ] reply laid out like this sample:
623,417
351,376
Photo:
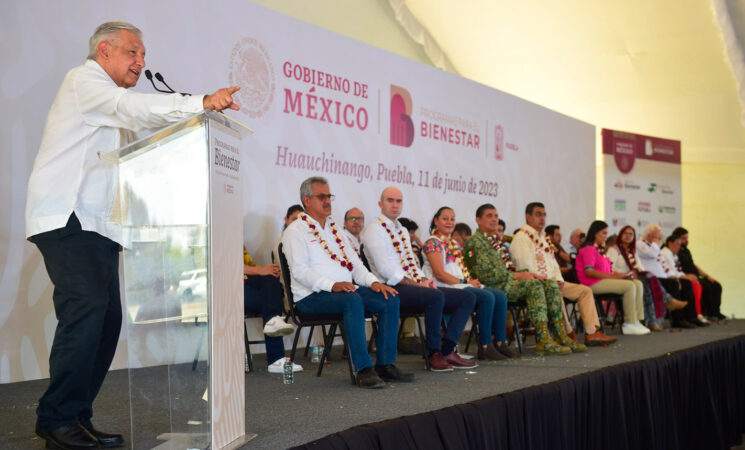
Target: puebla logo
251,68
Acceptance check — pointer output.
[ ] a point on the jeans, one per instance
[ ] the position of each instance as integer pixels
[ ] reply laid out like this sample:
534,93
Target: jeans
491,313
263,295
458,302
353,306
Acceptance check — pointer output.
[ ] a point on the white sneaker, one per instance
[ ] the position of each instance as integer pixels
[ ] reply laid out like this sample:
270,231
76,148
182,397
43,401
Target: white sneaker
278,366
632,329
278,327
642,329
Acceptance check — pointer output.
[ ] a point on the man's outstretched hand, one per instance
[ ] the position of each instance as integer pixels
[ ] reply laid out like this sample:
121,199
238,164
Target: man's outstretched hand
221,99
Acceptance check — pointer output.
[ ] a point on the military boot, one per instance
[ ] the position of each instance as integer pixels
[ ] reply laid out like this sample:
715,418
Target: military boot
545,345
565,340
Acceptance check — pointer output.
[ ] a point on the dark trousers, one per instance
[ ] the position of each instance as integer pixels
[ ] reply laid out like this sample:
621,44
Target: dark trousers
84,269
711,297
458,302
263,295
682,291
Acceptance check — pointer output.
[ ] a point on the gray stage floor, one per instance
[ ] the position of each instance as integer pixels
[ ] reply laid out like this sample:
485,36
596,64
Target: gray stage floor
286,415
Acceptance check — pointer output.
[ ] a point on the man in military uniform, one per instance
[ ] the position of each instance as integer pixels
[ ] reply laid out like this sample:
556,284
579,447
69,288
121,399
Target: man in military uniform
490,264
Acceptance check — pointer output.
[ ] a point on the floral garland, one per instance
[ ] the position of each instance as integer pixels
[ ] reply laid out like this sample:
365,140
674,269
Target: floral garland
354,246
457,254
601,249
407,262
502,252
629,257
541,246
663,263
343,260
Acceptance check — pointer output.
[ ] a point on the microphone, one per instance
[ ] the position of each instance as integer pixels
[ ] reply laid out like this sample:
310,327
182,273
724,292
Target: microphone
159,77
149,76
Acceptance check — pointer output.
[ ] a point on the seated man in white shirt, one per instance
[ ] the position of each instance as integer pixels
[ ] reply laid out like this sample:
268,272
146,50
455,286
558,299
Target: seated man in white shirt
354,222
388,249
648,249
533,251
69,209
329,278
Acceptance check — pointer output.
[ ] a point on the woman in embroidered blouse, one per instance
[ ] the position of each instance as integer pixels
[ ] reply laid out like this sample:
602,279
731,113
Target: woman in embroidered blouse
624,259
444,262
669,256
594,270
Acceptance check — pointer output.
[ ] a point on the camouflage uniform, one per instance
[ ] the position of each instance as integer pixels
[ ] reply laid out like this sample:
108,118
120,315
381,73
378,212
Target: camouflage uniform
487,266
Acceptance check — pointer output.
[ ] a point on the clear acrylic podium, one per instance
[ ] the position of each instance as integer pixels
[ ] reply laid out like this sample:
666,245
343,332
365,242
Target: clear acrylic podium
180,207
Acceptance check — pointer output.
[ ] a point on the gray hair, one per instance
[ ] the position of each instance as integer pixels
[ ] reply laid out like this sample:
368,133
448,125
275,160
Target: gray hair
649,229
306,189
105,32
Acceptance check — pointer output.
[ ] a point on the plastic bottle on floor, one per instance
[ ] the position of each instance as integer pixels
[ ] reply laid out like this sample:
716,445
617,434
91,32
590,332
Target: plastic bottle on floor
288,376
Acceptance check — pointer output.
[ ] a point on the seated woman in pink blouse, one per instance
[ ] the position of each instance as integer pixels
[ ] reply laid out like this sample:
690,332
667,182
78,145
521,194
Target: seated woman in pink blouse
595,270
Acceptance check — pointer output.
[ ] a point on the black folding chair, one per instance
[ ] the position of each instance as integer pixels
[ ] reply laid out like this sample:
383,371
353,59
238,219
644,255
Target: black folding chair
519,311
302,320
249,342
602,303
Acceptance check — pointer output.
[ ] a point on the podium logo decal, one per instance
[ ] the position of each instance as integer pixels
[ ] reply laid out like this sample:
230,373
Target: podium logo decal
402,127
251,68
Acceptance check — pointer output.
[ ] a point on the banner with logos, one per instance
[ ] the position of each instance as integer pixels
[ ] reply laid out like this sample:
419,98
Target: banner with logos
320,104
642,181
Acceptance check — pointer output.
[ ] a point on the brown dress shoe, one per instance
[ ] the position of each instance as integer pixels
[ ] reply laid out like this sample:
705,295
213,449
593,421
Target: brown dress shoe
437,363
655,327
457,362
491,352
674,304
598,338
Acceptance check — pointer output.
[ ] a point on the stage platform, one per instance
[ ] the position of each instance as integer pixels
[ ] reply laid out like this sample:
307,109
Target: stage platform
314,408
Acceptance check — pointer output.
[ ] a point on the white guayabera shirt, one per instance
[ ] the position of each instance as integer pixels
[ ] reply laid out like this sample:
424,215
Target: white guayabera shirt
91,114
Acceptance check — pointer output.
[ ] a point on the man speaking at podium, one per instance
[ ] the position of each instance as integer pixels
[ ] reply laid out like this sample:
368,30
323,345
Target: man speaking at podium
72,196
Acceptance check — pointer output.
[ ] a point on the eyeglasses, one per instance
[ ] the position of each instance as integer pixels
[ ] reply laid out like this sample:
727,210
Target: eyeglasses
324,197
356,219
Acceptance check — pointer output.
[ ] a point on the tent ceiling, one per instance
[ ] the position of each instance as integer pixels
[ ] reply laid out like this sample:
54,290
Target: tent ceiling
656,68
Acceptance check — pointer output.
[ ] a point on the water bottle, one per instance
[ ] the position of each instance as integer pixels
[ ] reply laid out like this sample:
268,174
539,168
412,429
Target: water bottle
288,377
314,355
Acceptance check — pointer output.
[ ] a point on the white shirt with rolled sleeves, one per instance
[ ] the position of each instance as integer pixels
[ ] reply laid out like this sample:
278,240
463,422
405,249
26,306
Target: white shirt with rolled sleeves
647,254
382,256
90,114
523,253
311,267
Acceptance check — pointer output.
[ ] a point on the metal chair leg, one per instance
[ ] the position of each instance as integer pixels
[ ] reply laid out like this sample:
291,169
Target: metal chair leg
294,343
307,342
423,342
248,348
349,360
328,339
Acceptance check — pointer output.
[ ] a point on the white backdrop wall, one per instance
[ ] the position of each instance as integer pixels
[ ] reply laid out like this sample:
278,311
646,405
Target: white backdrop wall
493,147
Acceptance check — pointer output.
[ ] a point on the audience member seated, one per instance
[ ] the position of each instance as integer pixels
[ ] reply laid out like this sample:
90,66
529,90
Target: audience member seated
354,222
648,250
262,294
444,261
669,256
564,260
488,261
505,239
329,278
624,259
712,290
416,243
532,251
461,233
594,270
576,239
388,250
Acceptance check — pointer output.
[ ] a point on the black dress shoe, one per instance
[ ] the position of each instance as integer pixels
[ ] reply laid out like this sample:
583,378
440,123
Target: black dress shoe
368,379
392,373
699,323
68,437
105,440
683,324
